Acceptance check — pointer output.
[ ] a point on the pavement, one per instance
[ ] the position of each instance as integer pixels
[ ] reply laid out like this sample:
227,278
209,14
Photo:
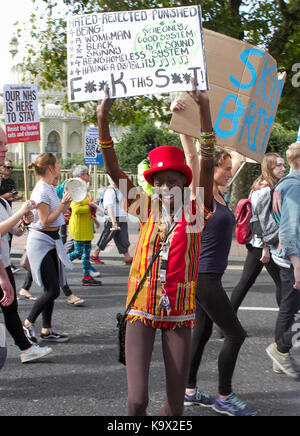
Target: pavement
84,378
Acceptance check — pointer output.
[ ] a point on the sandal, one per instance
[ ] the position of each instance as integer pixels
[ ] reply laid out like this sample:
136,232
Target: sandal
26,295
76,301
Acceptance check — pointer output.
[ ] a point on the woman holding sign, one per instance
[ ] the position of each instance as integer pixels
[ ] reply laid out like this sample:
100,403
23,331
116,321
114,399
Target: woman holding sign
166,298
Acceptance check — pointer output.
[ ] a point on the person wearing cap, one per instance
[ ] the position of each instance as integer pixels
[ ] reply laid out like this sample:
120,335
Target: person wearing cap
166,300
142,167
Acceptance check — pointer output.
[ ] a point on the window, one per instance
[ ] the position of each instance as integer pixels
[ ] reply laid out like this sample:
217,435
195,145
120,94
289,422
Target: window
52,143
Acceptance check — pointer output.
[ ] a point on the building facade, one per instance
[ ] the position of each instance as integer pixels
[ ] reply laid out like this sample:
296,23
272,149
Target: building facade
62,133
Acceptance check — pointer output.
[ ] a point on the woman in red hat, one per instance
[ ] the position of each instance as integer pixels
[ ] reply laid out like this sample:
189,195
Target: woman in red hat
166,300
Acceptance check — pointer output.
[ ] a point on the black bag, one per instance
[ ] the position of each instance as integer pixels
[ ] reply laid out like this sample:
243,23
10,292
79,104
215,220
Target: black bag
121,325
122,332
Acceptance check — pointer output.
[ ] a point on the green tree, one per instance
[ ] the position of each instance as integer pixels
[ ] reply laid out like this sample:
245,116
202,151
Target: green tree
273,24
279,141
131,148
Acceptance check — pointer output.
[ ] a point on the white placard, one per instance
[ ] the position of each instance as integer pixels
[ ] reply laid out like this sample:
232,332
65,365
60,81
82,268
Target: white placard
141,52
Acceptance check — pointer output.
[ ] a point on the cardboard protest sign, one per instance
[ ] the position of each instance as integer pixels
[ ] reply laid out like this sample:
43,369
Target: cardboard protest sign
135,52
245,90
22,120
92,152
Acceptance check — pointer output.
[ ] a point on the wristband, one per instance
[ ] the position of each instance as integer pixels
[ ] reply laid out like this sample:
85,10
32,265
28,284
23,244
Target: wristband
207,145
106,144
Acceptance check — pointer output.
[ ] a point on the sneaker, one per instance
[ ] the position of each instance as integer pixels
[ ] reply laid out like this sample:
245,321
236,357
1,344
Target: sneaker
14,269
97,260
282,361
276,369
198,399
94,273
232,406
54,337
30,333
89,281
34,352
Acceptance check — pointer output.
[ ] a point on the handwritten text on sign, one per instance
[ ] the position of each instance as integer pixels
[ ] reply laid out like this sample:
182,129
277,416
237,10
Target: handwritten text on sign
135,53
22,120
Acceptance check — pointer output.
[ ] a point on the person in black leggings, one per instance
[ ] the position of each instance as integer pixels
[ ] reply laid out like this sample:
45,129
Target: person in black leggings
258,254
25,293
10,222
252,268
212,303
44,245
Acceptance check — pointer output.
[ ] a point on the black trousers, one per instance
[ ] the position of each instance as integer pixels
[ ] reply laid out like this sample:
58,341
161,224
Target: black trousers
252,268
11,318
120,237
28,283
287,330
213,306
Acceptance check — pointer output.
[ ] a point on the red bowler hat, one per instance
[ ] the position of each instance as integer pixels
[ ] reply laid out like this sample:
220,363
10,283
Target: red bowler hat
167,158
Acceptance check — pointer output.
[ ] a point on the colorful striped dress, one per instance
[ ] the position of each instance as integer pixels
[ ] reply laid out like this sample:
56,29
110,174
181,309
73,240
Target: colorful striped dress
185,245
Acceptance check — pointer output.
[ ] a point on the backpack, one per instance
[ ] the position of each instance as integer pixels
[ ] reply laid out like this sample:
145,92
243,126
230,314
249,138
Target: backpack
101,198
243,215
269,232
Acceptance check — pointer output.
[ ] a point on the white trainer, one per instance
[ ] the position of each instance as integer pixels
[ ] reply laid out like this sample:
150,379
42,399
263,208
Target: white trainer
34,352
95,273
282,361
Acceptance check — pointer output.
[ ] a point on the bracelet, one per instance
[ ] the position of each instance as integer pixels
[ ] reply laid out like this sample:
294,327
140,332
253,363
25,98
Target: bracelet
207,134
21,226
207,145
106,144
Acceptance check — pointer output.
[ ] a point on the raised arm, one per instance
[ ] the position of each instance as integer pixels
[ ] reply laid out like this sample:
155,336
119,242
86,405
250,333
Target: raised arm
105,141
207,143
203,174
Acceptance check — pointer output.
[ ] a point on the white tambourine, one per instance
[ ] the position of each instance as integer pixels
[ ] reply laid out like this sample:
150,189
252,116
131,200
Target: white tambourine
78,189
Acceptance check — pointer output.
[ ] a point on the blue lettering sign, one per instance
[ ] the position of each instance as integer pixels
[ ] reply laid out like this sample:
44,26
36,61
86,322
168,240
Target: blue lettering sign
251,68
262,82
248,121
230,116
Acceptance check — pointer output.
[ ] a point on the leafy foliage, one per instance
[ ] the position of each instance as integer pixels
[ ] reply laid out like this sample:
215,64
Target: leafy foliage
131,148
272,24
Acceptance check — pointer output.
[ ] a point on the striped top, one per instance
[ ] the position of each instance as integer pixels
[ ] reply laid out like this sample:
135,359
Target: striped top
44,193
185,244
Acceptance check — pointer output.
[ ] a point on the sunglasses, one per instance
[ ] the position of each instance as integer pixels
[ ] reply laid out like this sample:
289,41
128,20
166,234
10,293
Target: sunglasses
7,167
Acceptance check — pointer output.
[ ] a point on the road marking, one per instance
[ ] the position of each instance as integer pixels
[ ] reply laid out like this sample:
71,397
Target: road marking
235,267
260,309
